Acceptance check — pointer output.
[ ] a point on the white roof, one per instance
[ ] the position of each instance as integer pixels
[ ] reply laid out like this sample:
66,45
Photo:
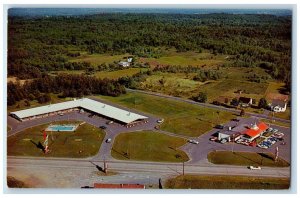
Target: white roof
92,105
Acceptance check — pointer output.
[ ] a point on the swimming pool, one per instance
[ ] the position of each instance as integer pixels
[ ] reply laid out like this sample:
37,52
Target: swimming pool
59,128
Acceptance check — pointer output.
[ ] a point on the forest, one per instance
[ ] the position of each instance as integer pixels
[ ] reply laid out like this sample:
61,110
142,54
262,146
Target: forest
39,45
65,85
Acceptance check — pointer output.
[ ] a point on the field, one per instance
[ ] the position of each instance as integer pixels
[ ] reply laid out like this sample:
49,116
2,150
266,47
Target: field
119,73
171,57
245,159
226,182
174,84
148,146
84,142
180,117
98,59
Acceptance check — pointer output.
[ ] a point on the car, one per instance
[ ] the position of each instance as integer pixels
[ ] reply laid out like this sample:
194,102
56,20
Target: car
193,141
262,146
254,167
160,121
102,127
223,141
270,129
61,114
108,140
219,126
213,139
109,122
275,130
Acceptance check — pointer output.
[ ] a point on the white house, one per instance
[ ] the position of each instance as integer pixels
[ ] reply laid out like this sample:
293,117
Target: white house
278,105
124,64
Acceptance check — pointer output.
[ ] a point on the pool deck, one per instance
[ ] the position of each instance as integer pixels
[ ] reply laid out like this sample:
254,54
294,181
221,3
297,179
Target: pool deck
62,128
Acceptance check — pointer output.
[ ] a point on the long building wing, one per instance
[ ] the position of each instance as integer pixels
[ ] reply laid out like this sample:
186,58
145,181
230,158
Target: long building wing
85,103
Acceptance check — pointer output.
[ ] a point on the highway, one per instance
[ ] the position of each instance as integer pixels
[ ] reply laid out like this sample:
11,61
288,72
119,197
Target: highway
73,167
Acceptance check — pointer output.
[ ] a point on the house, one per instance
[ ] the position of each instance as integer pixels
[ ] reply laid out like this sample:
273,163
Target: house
278,105
124,64
245,102
129,60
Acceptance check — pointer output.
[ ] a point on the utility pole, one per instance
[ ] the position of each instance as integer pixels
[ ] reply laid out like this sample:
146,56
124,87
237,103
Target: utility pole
182,168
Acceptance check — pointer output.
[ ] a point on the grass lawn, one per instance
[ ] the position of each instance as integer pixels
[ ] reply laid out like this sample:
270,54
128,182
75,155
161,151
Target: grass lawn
276,123
86,139
284,115
226,182
180,117
148,146
245,159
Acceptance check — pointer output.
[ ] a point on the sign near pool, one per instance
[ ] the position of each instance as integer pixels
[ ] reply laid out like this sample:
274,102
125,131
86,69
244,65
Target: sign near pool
62,128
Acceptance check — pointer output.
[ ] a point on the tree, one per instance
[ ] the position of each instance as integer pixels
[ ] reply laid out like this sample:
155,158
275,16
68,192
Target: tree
226,100
242,112
262,103
234,102
202,97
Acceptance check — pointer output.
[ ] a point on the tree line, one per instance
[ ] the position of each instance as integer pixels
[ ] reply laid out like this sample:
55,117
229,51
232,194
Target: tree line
63,84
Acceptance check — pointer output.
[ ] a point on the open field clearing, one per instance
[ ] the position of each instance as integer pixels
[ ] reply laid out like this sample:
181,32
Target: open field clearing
171,57
245,159
180,117
227,87
98,59
226,182
173,84
84,142
148,146
119,73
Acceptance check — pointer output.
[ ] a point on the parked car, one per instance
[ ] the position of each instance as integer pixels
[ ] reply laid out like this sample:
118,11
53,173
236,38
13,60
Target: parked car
270,129
102,127
219,126
193,141
254,167
109,122
275,130
223,141
160,121
108,140
213,139
61,114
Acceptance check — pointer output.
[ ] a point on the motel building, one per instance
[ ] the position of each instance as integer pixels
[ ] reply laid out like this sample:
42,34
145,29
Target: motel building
121,116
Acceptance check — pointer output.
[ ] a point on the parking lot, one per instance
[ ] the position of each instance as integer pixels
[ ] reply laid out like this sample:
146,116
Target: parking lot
198,152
